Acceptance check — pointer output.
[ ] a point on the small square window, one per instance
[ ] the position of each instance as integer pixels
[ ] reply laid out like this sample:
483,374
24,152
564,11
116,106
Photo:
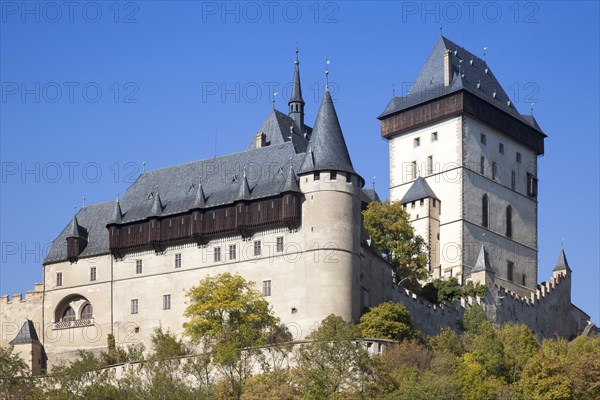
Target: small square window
280,244
178,260
134,306
501,148
348,178
518,157
317,176
166,302
434,136
59,279
421,202
483,139
266,289
257,248
92,273
417,142
138,266
333,176
232,251
217,254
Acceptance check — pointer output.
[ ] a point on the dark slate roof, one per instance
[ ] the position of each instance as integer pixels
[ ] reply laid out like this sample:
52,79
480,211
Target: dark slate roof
117,215
276,129
369,196
561,263
221,178
291,182
417,191
76,230
429,84
26,335
296,88
482,263
157,206
327,148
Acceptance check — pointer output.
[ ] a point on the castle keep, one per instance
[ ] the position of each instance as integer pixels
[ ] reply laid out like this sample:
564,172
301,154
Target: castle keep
285,213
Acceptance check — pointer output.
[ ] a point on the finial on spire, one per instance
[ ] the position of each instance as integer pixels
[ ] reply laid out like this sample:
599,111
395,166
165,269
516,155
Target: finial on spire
144,166
117,197
74,209
531,110
441,31
374,183
83,198
484,51
393,90
273,101
297,61
327,62
244,171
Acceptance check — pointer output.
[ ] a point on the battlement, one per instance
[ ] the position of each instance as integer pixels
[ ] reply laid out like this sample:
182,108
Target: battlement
30,295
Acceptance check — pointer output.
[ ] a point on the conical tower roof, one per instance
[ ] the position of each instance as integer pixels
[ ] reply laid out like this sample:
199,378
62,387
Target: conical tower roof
75,229
296,88
157,207
482,263
117,215
327,149
562,263
26,335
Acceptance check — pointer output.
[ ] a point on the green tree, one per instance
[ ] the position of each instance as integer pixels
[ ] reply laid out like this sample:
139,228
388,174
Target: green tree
473,319
394,237
584,367
545,377
230,318
332,365
13,371
519,345
388,321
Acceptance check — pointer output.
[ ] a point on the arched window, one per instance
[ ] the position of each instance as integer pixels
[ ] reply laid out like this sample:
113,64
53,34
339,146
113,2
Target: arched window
68,315
509,221
484,211
86,312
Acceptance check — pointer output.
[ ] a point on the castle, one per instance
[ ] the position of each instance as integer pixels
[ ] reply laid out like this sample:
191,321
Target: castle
285,213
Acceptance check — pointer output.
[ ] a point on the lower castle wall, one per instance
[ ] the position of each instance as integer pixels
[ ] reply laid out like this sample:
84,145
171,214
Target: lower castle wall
15,311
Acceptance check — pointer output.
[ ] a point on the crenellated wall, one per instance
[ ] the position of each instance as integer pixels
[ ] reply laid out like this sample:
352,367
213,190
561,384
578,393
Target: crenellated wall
18,308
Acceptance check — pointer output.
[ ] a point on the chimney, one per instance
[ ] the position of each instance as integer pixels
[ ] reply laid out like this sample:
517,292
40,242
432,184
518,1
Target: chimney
447,68
260,140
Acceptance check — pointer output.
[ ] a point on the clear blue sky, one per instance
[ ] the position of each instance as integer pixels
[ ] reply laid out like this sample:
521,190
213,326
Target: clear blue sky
92,90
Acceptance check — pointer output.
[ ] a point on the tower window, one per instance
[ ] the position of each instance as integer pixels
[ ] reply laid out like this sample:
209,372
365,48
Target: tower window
434,202
501,148
421,202
483,139
348,178
59,279
138,266
430,165
417,142
482,165
333,176
232,251
494,170
317,176
414,170
513,180
166,302
134,306
86,312
434,136
510,269
518,157
280,244
531,185
509,221
92,273
217,254
524,280
484,211
412,204
178,260
266,289
257,248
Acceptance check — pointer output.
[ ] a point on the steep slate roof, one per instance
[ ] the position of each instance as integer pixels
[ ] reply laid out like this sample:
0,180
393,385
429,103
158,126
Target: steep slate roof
417,191
482,263
561,263
327,148
276,129
117,215
369,196
296,88
76,230
430,82
26,335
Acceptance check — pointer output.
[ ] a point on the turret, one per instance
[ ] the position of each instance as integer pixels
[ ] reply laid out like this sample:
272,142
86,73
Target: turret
76,240
482,272
296,103
154,216
29,348
562,266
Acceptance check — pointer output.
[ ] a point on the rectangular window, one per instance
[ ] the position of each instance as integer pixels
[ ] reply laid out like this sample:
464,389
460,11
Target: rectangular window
501,148
134,306
482,165
414,170
510,269
483,139
280,244
92,273
531,185
518,157
232,251
434,203
412,204
217,254
430,165
317,176
494,170
348,178
513,180
138,266
166,302
59,279
333,176
524,280
434,136
178,260
257,248
266,288
421,202
417,142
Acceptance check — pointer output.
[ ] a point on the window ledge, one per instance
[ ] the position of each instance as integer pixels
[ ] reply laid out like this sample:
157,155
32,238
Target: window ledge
72,324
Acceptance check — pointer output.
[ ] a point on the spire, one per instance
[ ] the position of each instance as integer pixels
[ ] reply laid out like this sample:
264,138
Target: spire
296,103
200,199
561,263
290,184
244,192
327,148
157,207
26,335
482,263
74,229
117,215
